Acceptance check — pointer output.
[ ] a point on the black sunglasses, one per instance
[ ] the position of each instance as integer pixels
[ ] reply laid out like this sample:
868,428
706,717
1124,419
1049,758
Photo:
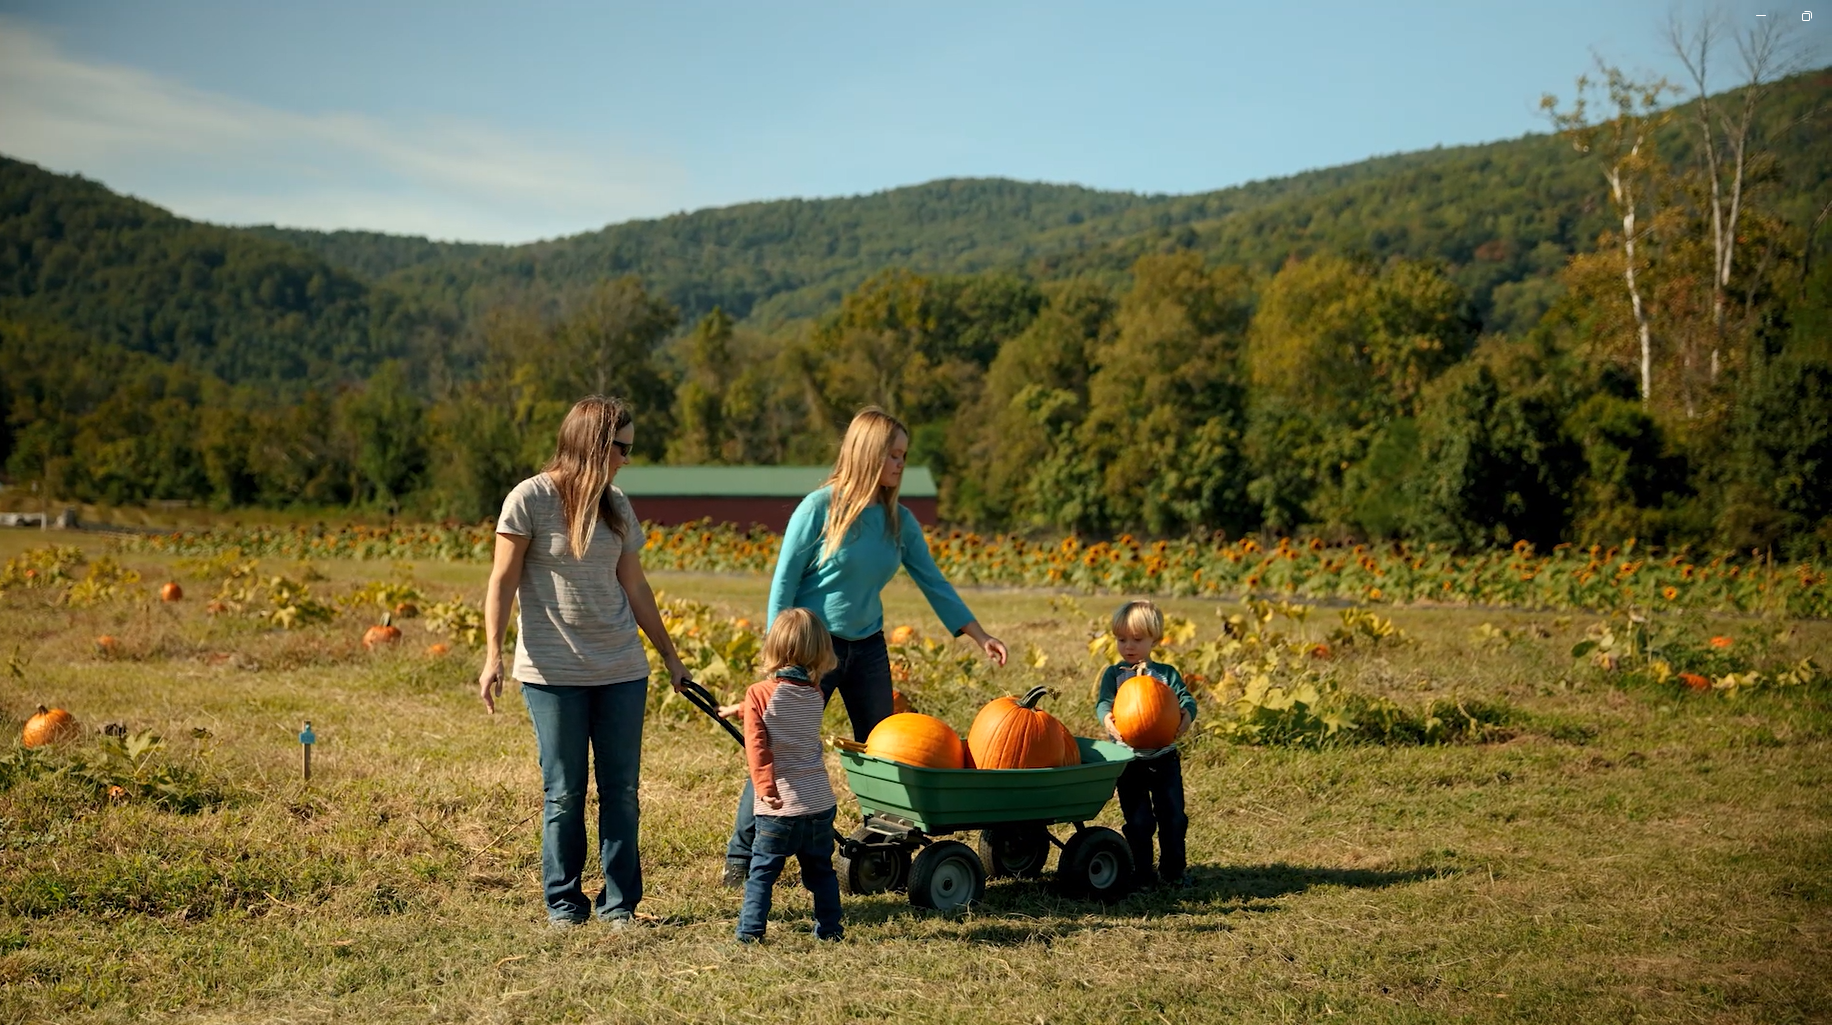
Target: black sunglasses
623,447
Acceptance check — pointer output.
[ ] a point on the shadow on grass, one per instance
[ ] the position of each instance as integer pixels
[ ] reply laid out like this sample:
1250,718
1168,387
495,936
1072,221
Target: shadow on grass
1246,883
1015,912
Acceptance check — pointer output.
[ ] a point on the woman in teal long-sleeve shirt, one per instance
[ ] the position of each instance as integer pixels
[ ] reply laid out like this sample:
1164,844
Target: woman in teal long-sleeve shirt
842,546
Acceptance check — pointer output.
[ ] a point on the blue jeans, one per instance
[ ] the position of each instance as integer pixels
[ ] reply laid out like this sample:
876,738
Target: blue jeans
1151,797
863,678
810,839
568,721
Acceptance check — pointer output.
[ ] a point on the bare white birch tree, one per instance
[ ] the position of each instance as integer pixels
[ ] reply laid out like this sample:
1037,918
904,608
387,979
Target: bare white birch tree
1622,144
1726,132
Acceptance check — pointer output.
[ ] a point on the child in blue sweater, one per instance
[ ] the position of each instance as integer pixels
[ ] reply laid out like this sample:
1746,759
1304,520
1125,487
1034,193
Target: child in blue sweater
1151,787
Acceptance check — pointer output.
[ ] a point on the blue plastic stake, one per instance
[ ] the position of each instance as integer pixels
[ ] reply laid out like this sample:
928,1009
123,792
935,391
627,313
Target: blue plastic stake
306,740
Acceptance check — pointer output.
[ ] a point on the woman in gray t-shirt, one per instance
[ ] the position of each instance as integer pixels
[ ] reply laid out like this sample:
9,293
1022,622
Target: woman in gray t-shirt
566,551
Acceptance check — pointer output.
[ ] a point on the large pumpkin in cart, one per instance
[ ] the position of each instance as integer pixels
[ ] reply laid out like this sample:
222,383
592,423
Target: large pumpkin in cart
1013,733
915,739
1146,713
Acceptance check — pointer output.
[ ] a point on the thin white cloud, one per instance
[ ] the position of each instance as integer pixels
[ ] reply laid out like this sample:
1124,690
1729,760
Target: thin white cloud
218,158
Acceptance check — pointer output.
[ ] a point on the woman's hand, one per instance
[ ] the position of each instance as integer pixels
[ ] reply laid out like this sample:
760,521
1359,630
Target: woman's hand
490,682
992,646
677,673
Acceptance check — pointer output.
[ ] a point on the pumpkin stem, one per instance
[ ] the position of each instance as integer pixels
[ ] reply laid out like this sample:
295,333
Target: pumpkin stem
1035,695
387,618
42,710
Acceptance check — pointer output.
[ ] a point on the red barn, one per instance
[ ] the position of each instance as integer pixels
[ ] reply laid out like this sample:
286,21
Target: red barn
746,495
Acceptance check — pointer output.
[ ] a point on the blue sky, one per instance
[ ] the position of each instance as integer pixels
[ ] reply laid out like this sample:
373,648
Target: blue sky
501,122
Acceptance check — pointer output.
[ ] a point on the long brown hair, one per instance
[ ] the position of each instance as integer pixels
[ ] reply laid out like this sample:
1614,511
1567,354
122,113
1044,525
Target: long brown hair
856,474
581,468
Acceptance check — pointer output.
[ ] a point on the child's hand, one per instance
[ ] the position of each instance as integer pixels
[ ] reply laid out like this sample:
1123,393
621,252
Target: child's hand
1184,726
1113,731
735,710
772,800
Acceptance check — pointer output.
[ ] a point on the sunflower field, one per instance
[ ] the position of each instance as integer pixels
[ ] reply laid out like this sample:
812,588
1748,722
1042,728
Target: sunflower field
1601,578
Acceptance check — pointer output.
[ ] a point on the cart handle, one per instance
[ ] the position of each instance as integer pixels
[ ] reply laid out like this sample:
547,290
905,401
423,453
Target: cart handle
846,745
702,699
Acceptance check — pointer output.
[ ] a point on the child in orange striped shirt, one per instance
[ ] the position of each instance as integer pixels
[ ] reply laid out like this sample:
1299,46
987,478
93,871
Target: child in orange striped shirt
794,801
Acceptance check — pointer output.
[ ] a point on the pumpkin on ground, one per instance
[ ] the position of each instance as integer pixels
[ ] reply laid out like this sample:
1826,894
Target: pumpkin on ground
384,632
437,650
915,739
49,726
107,645
406,610
903,635
1146,713
899,703
1013,733
171,591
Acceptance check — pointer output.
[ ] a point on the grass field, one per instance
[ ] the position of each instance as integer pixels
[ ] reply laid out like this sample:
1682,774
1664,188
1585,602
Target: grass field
1616,853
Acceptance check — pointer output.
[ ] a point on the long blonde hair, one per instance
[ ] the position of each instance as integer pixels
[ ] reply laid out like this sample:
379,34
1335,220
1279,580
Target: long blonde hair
856,474
798,638
581,468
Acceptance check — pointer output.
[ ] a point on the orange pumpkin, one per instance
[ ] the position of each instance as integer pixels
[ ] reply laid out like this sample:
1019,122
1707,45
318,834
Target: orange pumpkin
49,726
107,645
406,610
899,703
171,592
436,650
1146,713
1071,751
915,739
1012,733
384,632
903,635
216,608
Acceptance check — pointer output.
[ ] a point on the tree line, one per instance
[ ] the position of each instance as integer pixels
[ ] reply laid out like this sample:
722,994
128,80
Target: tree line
1666,378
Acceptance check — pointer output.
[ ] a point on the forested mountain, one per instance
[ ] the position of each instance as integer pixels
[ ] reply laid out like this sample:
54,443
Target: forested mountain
1439,345
125,272
371,255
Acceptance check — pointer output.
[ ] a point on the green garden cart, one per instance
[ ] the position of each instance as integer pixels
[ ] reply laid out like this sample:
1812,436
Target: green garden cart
907,810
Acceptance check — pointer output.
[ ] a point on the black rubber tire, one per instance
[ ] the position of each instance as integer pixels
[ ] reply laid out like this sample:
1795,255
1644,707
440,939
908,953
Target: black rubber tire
946,876
876,869
1096,864
1017,852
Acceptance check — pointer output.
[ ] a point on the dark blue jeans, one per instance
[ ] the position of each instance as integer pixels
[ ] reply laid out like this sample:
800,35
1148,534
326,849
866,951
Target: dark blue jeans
607,721
809,838
863,678
1151,798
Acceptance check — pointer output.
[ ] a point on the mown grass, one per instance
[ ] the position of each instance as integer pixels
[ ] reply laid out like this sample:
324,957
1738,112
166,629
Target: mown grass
1625,853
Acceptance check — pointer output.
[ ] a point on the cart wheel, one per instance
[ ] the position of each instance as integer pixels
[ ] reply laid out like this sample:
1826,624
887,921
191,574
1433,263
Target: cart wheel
1016,851
1096,863
946,876
875,870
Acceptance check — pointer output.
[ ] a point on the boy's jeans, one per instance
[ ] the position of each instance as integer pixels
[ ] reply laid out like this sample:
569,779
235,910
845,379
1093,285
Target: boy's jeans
568,721
1151,798
810,839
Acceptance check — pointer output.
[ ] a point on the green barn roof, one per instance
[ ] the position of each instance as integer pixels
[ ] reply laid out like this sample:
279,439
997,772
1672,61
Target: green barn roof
747,481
